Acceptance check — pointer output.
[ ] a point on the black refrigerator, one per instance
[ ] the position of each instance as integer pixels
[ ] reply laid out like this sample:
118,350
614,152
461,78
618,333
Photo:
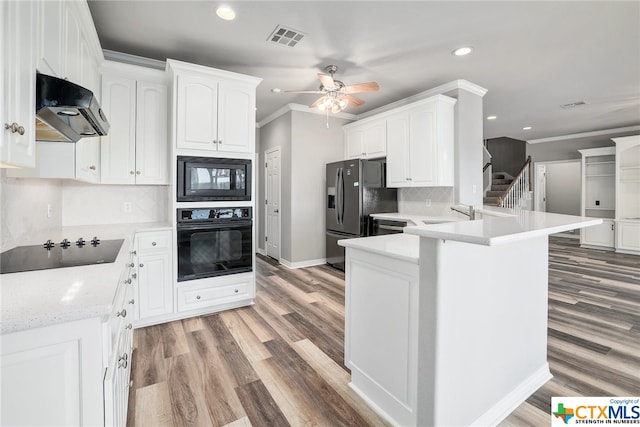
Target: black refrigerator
355,189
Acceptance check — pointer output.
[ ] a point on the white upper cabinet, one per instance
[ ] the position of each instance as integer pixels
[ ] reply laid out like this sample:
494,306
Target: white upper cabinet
366,140
17,143
135,102
214,109
50,59
628,194
420,144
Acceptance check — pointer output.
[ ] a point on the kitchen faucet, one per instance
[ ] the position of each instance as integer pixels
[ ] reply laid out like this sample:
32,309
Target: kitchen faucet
471,212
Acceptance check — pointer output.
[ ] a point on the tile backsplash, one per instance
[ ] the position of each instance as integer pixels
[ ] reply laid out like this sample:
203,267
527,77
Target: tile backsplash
85,204
414,201
24,204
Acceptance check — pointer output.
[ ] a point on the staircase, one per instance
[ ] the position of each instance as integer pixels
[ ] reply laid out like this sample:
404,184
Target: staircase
500,182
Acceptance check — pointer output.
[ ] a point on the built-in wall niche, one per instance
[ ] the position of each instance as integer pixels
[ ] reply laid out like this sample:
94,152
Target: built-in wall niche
599,184
629,184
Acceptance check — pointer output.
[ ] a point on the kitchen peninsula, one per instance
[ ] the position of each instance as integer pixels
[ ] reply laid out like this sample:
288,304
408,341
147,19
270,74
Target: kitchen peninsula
446,324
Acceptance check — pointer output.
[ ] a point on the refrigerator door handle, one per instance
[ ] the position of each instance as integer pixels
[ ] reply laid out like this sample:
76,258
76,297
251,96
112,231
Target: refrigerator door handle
337,204
340,197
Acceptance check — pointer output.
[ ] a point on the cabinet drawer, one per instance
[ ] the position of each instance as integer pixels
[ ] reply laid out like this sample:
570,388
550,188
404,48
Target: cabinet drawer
153,241
200,296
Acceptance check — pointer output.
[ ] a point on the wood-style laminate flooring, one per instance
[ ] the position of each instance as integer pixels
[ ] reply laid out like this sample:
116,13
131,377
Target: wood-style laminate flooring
280,361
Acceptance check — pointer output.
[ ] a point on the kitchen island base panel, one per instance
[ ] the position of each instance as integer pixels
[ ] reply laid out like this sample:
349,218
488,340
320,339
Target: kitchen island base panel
464,331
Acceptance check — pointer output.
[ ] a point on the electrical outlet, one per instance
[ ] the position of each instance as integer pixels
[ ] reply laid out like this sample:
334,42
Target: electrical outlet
428,203
127,207
474,188
48,210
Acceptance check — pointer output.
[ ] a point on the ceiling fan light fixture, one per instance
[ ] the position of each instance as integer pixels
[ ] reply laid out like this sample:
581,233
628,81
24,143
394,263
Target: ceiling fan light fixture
462,51
226,13
343,102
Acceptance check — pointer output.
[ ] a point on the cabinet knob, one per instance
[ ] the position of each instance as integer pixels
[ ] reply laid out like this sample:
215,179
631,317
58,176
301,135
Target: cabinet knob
612,227
122,313
92,167
153,243
137,172
141,265
197,296
14,127
132,301
129,326
127,282
131,265
214,141
220,141
134,275
123,362
131,172
236,291
133,252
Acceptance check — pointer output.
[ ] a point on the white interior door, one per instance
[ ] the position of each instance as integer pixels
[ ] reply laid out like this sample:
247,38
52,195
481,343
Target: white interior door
272,229
541,188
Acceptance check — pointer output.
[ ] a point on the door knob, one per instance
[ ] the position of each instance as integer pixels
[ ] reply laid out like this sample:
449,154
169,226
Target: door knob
276,211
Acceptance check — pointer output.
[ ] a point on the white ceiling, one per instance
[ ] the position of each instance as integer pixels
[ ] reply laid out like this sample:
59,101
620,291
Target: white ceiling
532,57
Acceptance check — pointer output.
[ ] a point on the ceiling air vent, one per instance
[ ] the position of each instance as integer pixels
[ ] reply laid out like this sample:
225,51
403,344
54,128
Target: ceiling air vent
285,36
574,104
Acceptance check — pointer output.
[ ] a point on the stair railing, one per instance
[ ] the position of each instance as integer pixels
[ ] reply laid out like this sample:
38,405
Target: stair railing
487,173
520,186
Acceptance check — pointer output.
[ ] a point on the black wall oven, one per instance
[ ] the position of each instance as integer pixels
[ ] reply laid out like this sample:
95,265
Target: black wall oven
213,179
214,242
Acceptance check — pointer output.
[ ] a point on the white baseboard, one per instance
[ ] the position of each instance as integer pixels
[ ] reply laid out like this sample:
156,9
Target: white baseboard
302,264
261,251
496,414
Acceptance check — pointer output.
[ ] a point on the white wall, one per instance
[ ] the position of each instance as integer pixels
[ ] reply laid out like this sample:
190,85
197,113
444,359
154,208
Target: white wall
563,187
313,146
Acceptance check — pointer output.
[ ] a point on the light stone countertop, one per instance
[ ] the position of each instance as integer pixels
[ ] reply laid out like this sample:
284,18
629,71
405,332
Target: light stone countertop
401,246
417,219
46,297
504,229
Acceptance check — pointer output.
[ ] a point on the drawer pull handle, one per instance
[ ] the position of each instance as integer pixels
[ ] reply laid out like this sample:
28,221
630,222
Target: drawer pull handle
153,243
122,313
122,362
132,301
197,296
92,167
133,252
134,275
129,326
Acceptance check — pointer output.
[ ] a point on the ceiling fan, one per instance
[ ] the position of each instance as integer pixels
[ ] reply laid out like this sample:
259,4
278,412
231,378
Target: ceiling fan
336,96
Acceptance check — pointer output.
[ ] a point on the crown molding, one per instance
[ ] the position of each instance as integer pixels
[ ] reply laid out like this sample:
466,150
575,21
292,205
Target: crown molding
304,109
586,134
438,90
133,59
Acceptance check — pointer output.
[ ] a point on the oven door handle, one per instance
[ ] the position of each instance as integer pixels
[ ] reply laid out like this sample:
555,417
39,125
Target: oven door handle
214,226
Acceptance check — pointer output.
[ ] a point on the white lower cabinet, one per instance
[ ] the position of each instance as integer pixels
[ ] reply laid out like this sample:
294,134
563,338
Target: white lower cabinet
153,264
628,236
70,374
602,235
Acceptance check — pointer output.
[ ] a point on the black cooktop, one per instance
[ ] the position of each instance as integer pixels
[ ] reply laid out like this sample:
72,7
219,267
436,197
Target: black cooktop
59,255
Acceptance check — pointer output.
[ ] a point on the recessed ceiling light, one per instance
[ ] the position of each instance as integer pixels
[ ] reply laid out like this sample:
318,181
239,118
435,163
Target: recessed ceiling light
462,51
492,117
527,128
275,90
226,13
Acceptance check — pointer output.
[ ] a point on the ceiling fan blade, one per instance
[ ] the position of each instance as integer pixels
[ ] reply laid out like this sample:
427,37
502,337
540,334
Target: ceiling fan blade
303,91
362,87
356,102
317,102
327,81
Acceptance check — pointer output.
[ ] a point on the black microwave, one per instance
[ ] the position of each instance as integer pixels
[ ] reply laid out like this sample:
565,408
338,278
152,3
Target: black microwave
212,179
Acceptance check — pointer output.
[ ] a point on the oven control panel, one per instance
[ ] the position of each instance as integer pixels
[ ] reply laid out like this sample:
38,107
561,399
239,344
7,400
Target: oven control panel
213,214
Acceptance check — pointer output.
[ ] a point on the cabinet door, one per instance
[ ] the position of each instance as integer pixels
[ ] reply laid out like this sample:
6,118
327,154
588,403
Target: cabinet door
375,140
151,133
88,160
197,113
355,142
236,117
599,235
422,148
154,284
397,151
117,155
628,236
72,54
49,50
17,147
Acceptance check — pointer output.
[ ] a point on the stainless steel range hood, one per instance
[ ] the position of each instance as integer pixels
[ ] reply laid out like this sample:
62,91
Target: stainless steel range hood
66,112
